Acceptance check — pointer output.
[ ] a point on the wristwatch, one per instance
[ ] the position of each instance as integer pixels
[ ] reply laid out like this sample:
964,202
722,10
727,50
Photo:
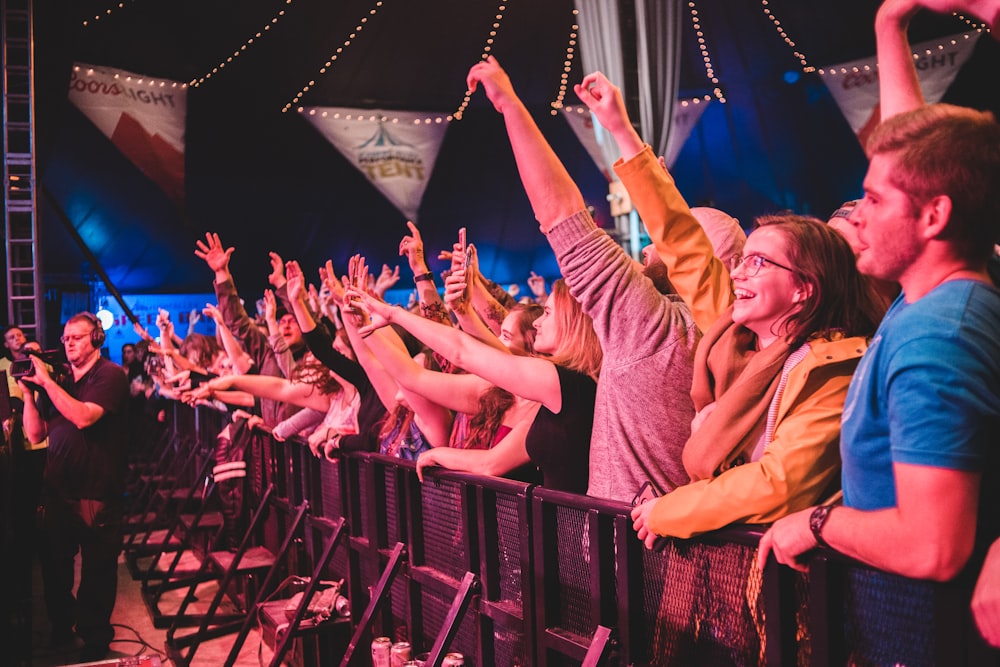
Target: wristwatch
817,520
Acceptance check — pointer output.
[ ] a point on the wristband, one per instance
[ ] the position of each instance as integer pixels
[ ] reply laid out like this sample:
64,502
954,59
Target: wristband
817,520
420,277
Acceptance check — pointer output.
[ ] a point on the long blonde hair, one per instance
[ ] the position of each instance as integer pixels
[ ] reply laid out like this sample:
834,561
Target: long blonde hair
578,347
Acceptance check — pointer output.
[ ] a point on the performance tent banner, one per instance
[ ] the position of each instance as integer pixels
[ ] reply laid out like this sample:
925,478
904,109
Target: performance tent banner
395,150
589,131
854,85
143,117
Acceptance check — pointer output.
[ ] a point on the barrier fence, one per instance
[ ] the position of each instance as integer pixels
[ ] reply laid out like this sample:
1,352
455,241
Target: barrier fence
509,573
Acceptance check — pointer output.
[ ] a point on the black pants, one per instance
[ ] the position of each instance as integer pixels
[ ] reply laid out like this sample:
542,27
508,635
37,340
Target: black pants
94,528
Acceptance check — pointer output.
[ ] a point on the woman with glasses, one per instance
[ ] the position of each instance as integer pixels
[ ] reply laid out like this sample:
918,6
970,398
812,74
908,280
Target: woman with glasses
783,329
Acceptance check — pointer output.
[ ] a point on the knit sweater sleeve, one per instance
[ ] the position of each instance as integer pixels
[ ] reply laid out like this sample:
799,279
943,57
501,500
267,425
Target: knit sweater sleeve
697,275
253,340
627,309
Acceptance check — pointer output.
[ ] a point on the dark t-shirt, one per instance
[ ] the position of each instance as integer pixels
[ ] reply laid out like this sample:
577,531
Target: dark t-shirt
89,463
559,444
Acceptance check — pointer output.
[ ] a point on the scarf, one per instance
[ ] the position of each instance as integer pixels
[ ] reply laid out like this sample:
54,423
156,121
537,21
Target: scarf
740,380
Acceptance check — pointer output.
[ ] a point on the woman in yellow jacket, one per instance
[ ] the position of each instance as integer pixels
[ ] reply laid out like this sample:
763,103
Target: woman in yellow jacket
784,329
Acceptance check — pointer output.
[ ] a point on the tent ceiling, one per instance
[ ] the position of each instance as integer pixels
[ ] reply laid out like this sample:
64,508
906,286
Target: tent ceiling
265,180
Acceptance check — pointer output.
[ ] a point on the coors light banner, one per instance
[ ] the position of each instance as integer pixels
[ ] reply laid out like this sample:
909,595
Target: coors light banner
856,90
143,117
395,150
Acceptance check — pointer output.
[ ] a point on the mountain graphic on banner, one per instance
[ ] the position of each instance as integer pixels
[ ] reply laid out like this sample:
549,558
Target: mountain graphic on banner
153,155
144,117
395,150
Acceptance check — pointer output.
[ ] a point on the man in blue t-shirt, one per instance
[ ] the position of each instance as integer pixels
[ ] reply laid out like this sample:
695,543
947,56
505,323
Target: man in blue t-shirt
923,409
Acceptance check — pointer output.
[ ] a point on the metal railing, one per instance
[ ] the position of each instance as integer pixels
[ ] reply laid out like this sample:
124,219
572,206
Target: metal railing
544,573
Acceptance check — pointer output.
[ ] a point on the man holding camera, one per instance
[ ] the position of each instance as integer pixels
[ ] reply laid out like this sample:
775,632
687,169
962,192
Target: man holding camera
84,417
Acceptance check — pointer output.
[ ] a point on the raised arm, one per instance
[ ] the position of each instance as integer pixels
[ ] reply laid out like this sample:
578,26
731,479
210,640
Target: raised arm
431,305
274,388
552,193
528,377
456,295
899,88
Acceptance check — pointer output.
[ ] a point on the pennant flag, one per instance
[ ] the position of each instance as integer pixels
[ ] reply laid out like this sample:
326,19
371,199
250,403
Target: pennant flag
595,138
143,117
854,85
687,113
395,150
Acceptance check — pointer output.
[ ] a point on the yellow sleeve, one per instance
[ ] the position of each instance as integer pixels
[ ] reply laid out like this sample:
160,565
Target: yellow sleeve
798,468
697,275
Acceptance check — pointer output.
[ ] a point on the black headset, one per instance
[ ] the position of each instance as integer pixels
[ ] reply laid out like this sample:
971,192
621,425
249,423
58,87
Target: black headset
97,333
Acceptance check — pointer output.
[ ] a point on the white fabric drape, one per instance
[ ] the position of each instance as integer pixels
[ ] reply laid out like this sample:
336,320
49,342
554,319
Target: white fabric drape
601,51
658,40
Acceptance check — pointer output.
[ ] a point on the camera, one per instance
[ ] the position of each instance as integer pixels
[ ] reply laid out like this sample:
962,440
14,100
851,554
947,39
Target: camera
23,368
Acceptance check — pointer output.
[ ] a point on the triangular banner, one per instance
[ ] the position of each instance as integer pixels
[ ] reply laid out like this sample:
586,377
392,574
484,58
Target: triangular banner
395,150
854,85
143,117
593,136
687,113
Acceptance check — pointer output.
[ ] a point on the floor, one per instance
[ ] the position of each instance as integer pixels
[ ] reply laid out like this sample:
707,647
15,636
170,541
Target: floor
134,631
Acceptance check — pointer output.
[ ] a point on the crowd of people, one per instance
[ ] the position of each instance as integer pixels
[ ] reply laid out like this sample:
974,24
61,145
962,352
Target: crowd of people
837,380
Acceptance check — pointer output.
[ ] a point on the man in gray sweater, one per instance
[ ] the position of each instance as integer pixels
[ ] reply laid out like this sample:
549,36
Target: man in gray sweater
643,411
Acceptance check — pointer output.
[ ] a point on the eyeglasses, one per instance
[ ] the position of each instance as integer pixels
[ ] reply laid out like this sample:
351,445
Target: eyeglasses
752,264
75,339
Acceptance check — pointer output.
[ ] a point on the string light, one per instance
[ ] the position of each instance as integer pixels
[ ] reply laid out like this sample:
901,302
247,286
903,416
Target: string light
433,119
567,65
686,102
144,81
334,56
806,67
107,12
940,46
486,52
240,51
972,23
705,56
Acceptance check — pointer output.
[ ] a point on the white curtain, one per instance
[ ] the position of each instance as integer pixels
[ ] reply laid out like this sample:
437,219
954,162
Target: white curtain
600,50
658,44
658,39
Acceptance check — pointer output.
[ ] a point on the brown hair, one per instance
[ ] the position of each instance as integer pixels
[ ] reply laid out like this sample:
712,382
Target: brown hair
942,149
578,346
527,313
311,371
205,349
842,300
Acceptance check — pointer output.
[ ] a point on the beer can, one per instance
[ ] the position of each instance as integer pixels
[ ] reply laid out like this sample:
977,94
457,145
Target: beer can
401,654
453,660
381,652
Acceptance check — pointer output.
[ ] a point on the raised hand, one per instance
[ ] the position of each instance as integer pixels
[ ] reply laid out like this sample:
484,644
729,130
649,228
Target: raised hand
295,282
386,279
270,305
331,284
379,312
456,291
215,256
412,245
277,275
211,310
604,99
537,285
496,83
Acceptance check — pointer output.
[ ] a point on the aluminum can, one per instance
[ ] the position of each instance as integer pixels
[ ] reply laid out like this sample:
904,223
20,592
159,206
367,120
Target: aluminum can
453,660
381,652
401,653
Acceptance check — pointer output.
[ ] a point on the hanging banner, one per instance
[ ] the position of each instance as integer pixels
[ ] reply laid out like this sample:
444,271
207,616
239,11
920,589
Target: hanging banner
143,117
594,137
854,85
687,113
395,150
591,134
